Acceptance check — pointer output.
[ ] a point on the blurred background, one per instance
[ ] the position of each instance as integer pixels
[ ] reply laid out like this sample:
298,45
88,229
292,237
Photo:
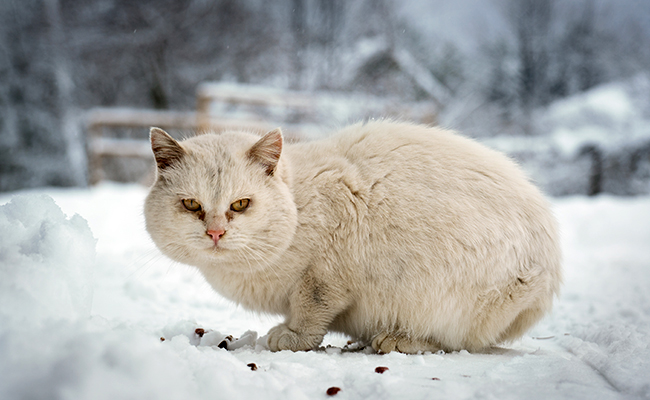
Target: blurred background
562,86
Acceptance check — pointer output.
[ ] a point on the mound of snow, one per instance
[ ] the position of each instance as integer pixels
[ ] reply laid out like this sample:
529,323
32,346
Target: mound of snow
46,263
610,115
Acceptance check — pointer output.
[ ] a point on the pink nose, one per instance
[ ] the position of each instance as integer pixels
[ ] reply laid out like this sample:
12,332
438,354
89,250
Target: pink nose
216,234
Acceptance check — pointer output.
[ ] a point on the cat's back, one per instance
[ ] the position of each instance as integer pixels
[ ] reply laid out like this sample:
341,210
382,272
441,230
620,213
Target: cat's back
398,155
400,187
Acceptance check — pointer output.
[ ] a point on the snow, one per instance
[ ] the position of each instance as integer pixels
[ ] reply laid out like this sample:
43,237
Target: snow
47,263
83,308
609,115
601,133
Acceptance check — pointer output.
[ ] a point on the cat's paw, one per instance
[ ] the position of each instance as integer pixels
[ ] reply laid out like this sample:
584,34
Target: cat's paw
387,342
283,338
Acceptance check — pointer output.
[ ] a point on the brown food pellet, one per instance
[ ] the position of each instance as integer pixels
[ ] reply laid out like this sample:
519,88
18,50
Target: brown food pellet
162,339
435,379
333,390
252,366
200,331
381,370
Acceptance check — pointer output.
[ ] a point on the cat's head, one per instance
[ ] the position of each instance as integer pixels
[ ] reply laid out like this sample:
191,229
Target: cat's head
221,200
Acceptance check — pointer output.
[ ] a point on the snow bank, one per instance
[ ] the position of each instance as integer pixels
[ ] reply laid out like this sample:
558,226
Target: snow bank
610,115
595,345
47,263
593,142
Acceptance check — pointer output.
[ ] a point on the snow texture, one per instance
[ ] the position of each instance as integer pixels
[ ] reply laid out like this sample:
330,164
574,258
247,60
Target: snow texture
59,341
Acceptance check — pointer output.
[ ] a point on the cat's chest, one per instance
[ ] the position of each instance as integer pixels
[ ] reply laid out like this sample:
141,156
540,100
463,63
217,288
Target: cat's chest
256,291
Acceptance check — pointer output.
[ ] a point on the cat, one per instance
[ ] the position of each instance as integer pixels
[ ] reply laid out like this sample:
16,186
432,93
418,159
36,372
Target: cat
404,237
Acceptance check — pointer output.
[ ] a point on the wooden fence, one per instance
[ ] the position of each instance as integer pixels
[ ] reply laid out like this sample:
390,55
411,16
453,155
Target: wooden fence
269,106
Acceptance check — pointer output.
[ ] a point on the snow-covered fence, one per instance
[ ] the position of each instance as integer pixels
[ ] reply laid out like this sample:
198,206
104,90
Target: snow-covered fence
306,113
101,146
586,167
222,106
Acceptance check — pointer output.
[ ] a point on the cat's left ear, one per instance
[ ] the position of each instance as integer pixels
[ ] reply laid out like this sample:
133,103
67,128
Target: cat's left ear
267,150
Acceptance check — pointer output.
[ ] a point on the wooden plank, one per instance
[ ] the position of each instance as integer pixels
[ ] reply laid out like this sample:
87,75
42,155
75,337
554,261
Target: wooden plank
97,118
131,118
254,95
120,147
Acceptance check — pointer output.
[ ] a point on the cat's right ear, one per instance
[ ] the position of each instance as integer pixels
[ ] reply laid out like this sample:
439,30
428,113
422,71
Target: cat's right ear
267,151
166,149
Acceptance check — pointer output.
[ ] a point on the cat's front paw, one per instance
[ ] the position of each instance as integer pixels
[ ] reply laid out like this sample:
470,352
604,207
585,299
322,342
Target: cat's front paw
283,338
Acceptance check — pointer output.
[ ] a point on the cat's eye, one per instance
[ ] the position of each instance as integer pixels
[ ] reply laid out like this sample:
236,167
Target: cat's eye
191,205
240,205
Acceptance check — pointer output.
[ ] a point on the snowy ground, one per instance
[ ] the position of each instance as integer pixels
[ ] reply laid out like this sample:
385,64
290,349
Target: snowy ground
74,328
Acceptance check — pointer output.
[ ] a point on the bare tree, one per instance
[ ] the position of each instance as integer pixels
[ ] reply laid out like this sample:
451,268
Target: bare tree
69,122
532,21
300,39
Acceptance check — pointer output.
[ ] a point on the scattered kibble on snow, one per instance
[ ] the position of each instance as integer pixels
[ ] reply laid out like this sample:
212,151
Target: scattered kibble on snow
227,340
162,339
435,379
381,370
333,390
252,366
200,331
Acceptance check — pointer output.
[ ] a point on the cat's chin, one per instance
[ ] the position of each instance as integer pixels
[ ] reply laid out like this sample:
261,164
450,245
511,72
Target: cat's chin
234,258
215,250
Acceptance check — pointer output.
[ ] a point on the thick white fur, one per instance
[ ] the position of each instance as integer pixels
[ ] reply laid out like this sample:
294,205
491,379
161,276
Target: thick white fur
407,237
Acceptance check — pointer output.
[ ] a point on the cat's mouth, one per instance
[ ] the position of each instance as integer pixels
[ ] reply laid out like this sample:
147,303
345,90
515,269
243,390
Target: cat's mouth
224,244
208,246
218,248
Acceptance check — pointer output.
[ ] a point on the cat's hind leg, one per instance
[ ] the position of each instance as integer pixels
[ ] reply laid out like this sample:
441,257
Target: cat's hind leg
521,324
386,342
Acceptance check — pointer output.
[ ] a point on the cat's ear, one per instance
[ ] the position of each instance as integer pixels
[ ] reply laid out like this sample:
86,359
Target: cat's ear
165,148
267,150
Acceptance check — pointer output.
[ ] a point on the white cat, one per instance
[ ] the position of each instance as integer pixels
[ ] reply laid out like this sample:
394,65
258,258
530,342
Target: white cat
405,237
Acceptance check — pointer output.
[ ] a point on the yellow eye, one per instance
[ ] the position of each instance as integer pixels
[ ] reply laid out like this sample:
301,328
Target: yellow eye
240,205
191,205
